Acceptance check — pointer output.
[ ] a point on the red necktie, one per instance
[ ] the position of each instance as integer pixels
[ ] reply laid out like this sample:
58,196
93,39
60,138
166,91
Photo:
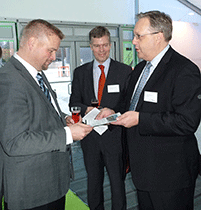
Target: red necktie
101,83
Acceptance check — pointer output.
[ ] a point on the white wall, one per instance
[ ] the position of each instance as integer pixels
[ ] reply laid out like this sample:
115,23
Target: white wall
186,39
98,11
186,36
101,11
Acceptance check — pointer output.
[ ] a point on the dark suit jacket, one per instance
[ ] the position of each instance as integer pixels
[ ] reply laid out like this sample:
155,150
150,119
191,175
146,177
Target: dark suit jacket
83,92
163,149
36,162
1,174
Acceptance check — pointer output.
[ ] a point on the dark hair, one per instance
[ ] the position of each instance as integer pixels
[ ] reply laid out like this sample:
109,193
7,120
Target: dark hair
159,21
39,27
98,32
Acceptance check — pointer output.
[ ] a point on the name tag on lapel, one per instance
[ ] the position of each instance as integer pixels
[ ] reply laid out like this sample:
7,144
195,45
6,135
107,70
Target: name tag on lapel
151,96
113,88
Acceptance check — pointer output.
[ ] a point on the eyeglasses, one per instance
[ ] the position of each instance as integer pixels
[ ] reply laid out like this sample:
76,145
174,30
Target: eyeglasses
137,36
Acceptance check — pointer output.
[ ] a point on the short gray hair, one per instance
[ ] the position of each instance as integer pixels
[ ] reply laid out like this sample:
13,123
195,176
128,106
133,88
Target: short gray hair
159,21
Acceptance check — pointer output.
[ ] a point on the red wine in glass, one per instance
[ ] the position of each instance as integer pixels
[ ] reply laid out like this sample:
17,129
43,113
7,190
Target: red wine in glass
75,113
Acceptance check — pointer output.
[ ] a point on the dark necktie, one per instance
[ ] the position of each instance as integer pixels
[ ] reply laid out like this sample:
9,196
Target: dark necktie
101,83
140,87
42,86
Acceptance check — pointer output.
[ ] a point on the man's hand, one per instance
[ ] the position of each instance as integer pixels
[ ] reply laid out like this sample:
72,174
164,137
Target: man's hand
79,130
70,121
128,119
105,112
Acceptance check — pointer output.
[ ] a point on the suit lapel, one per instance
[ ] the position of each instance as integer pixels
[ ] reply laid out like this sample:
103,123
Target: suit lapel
27,76
160,69
54,96
109,80
158,72
90,80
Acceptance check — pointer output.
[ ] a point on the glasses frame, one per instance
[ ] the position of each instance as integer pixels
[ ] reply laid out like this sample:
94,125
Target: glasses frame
138,36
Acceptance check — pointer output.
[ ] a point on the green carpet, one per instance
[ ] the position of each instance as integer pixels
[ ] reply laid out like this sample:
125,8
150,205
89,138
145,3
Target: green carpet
72,202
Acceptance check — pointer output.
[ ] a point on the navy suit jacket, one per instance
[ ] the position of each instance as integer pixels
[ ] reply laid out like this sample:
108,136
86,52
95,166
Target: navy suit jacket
36,162
83,92
162,147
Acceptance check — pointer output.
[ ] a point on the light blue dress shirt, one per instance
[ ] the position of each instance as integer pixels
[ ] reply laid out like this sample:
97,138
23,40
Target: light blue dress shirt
97,73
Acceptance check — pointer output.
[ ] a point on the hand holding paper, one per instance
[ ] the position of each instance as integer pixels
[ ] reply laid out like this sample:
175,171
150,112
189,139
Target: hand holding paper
100,126
128,119
105,112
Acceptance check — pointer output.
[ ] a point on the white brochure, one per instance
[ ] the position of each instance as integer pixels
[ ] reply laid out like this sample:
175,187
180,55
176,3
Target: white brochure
99,125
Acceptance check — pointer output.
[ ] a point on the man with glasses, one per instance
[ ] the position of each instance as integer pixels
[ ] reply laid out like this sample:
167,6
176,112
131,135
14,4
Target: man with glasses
164,106
102,150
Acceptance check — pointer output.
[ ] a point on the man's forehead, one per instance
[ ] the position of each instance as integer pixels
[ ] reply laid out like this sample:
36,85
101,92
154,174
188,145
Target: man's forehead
142,25
101,39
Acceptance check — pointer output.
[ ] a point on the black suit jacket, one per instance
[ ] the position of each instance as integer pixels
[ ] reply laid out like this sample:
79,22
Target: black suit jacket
162,148
36,162
83,92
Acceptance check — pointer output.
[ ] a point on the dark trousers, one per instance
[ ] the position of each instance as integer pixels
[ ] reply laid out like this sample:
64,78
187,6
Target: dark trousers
96,159
181,199
56,205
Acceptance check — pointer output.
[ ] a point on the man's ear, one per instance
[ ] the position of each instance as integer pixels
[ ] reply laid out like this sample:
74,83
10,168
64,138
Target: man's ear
91,46
31,43
160,36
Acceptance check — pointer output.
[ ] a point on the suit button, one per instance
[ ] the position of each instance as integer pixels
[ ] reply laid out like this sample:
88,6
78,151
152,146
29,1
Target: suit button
199,96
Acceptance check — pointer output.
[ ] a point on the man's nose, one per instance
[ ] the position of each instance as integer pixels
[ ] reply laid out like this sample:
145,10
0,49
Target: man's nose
134,40
53,56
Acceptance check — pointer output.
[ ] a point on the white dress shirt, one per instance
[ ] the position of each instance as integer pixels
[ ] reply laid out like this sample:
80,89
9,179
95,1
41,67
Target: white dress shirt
154,63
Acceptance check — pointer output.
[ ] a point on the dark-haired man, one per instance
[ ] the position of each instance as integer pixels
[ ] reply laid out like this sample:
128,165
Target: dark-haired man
102,150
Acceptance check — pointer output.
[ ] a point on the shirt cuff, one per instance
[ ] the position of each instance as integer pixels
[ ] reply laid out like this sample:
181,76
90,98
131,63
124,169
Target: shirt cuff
69,138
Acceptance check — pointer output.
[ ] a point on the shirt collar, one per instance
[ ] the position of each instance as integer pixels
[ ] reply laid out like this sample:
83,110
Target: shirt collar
28,66
158,58
106,63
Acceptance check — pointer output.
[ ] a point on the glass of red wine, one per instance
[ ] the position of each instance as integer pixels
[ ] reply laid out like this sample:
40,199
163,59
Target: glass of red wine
76,113
94,102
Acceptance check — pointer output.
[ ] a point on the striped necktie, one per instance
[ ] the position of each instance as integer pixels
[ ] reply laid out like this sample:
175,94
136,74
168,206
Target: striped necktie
140,87
42,86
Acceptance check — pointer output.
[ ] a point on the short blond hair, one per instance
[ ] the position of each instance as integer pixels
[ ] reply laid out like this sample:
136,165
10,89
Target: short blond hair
38,28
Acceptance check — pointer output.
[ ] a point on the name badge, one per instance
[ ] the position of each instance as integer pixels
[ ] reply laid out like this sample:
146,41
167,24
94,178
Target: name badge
113,88
151,96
